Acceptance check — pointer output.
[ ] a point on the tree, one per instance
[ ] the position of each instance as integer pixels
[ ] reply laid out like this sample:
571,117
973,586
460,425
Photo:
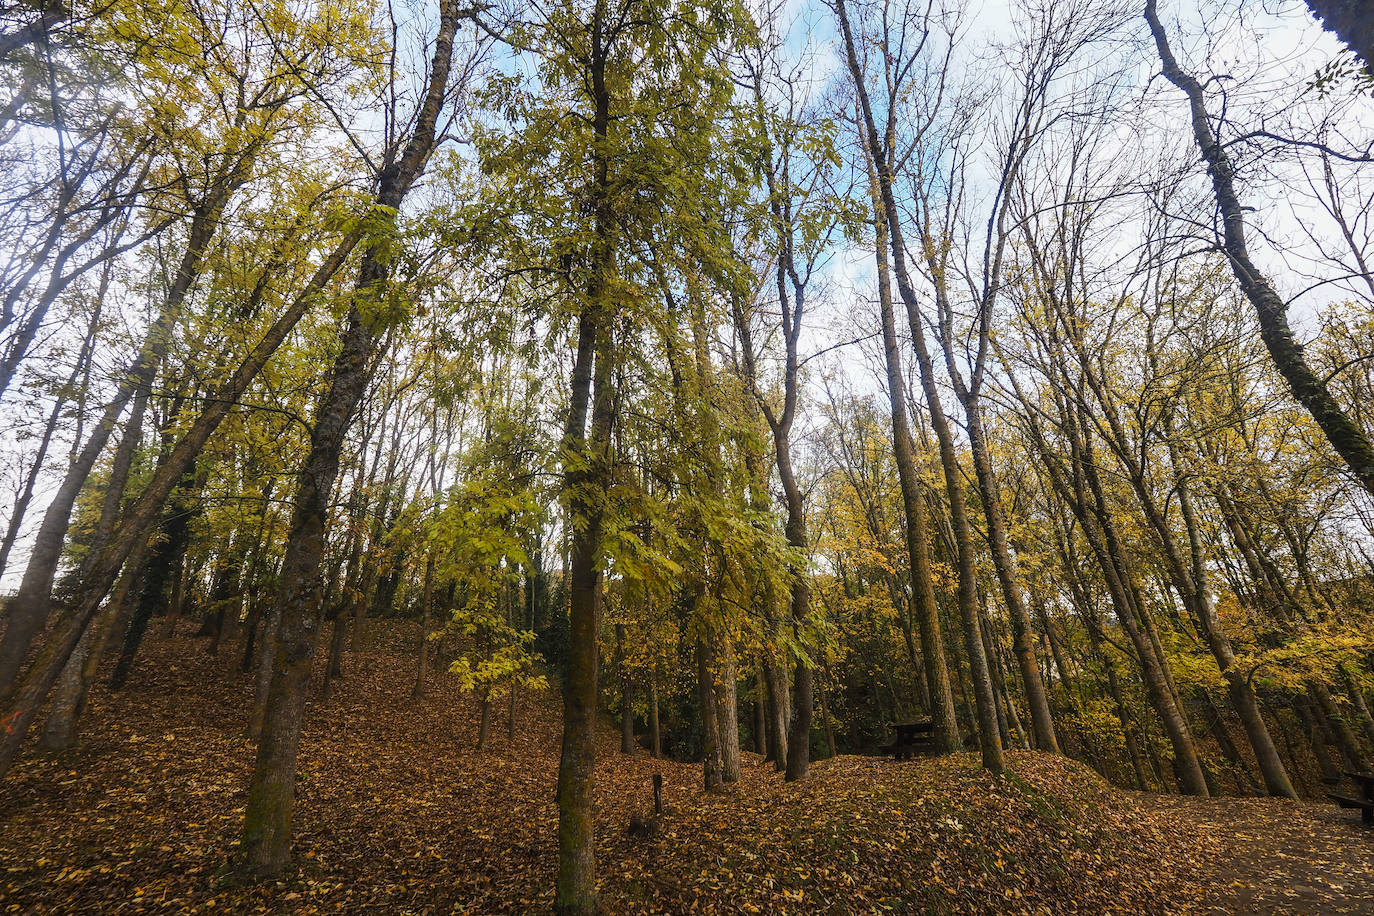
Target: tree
638,92
973,643
797,219
210,191
1351,21
266,844
1349,440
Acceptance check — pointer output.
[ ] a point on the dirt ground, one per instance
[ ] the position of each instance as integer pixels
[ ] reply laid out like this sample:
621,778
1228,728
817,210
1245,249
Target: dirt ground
398,812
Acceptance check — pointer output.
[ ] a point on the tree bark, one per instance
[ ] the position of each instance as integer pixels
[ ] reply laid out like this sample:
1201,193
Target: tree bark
161,566
935,669
266,842
710,727
426,607
760,715
1037,701
1345,435
1344,738
727,701
979,676
655,737
586,480
1351,21
22,702
484,720
627,709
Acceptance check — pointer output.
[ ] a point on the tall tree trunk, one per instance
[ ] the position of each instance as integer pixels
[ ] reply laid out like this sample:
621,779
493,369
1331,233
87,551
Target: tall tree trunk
1037,701
1092,621
266,840
797,749
773,685
113,496
426,607
655,737
250,632
1013,734
979,676
158,571
1057,654
226,591
586,481
627,709
775,732
936,671
266,843
727,701
262,680
710,726
1345,435
791,292
28,609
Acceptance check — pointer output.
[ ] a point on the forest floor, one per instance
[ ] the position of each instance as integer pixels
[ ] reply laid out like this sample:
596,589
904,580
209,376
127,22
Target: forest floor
398,813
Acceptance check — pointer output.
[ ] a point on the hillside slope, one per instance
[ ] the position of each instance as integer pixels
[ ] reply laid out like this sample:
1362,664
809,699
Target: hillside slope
397,812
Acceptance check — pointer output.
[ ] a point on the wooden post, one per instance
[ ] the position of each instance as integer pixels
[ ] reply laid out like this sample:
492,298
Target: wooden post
658,793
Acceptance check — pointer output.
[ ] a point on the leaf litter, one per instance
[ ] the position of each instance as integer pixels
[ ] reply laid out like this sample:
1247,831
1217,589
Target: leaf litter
398,812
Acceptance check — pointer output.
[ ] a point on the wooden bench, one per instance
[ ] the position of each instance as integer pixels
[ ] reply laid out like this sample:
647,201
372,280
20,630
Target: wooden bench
1365,798
911,738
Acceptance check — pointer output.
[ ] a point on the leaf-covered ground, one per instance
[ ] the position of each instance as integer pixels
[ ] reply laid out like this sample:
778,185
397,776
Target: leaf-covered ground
398,813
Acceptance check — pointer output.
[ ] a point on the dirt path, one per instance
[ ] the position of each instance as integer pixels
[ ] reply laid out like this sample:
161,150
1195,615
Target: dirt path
1277,857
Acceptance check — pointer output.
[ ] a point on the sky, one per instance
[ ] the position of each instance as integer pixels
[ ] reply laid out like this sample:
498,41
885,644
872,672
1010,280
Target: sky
1260,54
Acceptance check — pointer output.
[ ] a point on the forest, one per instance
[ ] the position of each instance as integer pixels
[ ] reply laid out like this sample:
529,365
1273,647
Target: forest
435,433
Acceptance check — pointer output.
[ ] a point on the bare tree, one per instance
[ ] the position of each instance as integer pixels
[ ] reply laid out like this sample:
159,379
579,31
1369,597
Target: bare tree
1349,440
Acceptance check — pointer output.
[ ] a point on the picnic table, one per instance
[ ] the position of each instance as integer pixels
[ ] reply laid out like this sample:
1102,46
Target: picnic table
1364,800
911,738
